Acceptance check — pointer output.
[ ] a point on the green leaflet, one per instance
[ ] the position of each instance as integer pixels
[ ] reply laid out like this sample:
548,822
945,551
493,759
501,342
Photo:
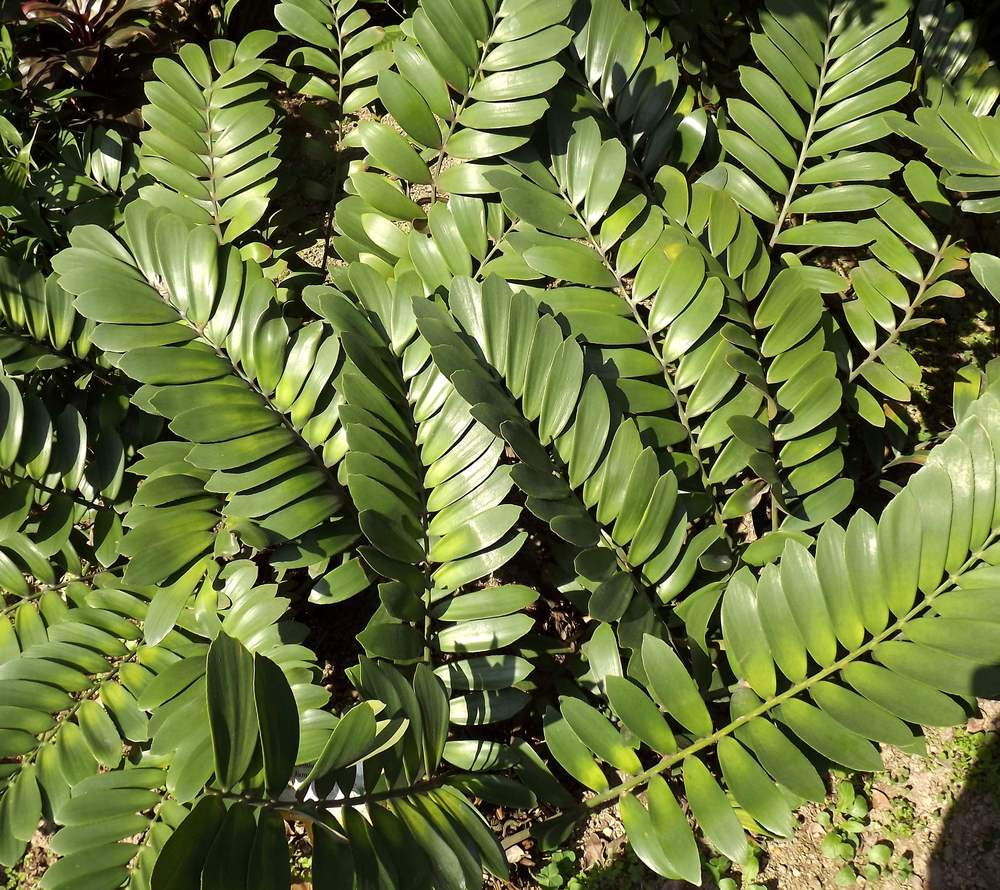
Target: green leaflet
231,710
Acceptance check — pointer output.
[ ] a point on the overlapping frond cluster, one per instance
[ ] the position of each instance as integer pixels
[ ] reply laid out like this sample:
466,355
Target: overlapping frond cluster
574,421
113,668
634,78
40,324
83,179
954,66
381,819
64,448
635,540
834,650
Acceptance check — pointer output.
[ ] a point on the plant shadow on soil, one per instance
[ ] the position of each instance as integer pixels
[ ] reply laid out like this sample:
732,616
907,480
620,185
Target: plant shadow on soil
967,853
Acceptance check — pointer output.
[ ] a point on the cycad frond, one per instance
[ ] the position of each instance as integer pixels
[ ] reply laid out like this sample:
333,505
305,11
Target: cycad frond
897,279
62,463
596,416
210,143
828,73
204,334
467,85
964,146
540,396
339,60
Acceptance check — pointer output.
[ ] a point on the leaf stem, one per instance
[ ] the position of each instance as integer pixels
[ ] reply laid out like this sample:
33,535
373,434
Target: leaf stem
315,810
807,138
210,145
88,694
668,377
612,794
338,149
42,589
456,113
915,303
40,486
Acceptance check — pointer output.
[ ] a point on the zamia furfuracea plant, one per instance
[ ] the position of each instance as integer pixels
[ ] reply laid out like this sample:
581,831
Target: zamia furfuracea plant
578,466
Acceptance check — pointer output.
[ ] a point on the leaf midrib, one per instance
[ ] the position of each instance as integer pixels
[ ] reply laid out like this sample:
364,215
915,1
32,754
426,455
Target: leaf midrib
668,377
607,797
807,139
251,384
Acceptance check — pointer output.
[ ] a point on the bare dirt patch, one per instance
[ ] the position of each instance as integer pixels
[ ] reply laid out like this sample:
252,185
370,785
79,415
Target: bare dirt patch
939,815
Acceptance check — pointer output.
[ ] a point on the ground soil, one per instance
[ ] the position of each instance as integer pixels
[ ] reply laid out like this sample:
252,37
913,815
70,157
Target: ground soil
939,811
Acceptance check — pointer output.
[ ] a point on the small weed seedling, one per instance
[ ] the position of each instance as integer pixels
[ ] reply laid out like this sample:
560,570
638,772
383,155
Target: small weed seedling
846,820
